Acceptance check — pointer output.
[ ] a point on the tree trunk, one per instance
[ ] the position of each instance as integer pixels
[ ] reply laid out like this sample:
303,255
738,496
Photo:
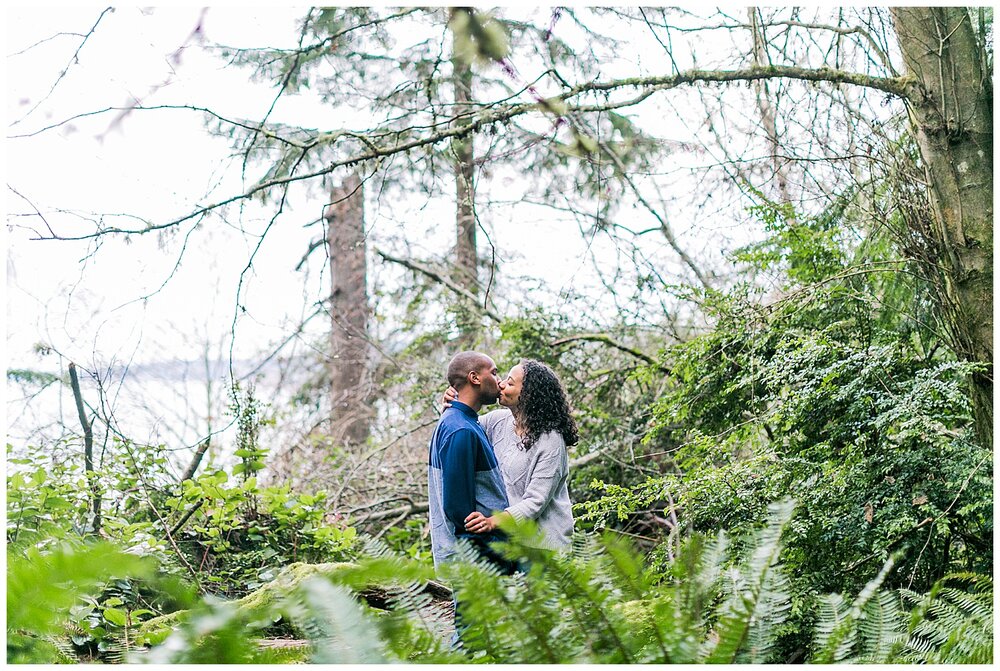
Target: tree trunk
952,112
766,109
349,311
466,259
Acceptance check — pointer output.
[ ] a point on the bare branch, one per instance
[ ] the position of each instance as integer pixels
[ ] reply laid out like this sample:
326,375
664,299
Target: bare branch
403,511
607,340
72,60
440,279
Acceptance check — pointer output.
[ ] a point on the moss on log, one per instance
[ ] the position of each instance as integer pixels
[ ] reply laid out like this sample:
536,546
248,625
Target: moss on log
256,606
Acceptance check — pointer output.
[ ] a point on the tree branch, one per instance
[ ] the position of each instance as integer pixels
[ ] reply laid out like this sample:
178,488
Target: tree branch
441,279
88,447
903,87
607,340
196,459
183,520
404,511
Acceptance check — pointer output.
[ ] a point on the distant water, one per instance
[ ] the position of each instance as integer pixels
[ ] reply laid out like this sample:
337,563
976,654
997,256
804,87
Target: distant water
175,402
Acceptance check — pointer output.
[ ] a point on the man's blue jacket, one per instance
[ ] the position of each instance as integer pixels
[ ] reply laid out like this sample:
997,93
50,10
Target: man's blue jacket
463,477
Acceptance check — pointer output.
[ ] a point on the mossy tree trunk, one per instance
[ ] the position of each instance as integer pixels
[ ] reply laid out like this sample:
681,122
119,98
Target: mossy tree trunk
951,109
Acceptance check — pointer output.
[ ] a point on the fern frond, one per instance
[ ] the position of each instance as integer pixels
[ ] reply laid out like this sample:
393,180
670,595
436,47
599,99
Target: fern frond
771,610
215,633
832,612
949,625
743,610
882,628
837,639
338,628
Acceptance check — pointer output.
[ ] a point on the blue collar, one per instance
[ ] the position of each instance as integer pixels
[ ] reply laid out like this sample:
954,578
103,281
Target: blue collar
461,407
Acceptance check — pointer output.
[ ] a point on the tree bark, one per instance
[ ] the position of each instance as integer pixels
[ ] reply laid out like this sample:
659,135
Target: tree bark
349,311
952,113
463,156
765,107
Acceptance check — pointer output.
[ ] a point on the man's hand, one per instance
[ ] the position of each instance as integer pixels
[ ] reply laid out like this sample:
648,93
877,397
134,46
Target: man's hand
478,523
448,397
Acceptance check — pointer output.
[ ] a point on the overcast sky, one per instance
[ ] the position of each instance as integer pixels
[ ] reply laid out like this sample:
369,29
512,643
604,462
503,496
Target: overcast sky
158,165
113,302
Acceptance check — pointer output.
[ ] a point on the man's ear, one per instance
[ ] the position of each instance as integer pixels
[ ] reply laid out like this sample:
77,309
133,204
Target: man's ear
473,378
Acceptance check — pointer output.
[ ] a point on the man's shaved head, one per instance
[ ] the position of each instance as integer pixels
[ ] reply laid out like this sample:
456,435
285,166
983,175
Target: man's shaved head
464,363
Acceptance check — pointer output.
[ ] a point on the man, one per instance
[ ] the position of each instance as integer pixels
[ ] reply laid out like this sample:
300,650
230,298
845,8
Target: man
463,474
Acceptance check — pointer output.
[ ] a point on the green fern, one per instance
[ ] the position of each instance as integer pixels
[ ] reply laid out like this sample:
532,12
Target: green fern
43,585
336,625
950,625
882,628
758,598
215,632
838,626
599,603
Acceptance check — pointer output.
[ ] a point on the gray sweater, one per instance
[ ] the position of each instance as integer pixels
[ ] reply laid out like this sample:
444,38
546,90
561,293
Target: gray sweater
535,478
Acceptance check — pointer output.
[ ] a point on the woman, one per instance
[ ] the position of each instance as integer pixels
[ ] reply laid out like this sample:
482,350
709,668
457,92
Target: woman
530,435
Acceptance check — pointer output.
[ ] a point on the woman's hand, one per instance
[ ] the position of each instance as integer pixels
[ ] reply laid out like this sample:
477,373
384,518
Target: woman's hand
448,397
478,523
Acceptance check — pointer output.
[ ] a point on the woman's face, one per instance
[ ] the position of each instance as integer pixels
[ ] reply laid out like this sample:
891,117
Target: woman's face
510,388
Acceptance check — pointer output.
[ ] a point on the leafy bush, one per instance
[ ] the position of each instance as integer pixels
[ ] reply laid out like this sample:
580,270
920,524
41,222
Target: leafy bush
44,586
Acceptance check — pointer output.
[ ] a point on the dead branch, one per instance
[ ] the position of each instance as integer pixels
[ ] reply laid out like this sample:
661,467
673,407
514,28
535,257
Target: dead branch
440,279
183,520
405,511
196,459
88,447
607,340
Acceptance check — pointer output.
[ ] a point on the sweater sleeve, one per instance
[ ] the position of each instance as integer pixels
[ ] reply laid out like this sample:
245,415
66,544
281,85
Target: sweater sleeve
546,476
458,477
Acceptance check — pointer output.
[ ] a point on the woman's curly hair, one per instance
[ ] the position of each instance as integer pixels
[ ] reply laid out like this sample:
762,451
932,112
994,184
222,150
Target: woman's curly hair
542,405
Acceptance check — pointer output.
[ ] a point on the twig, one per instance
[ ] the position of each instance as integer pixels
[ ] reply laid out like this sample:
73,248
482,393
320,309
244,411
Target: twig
72,60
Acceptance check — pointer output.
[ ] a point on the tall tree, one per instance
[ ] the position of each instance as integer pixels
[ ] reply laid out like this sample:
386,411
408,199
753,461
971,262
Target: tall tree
350,413
463,157
952,111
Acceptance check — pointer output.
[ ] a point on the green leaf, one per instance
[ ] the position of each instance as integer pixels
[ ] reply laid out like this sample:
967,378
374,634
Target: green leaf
115,616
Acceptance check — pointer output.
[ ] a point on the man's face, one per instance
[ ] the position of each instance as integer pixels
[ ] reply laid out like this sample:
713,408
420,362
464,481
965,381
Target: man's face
489,382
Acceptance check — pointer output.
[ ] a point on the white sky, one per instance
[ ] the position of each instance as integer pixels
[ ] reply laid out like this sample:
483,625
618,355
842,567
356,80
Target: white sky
156,164
112,304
